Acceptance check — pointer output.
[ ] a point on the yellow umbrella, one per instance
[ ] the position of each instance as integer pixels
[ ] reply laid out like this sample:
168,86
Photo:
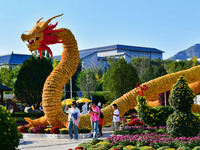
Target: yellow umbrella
66,102
83,100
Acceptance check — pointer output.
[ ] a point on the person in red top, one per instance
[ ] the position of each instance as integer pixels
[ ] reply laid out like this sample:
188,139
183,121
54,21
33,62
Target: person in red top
100,123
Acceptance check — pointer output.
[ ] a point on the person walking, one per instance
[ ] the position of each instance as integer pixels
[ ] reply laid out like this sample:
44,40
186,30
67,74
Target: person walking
95,113
73,119
115,118
100,123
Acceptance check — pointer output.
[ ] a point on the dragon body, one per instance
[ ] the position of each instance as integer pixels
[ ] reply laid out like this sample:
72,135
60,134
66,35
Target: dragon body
44,34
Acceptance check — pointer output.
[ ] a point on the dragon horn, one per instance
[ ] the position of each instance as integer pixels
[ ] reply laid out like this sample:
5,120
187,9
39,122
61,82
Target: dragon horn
39,20
49,20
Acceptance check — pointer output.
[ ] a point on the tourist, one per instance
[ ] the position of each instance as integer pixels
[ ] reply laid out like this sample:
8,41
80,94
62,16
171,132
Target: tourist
94,111
73,119
79,106
115,118
100,123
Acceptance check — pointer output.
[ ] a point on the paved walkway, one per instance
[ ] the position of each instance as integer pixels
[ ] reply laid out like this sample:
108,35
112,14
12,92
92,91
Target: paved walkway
55,144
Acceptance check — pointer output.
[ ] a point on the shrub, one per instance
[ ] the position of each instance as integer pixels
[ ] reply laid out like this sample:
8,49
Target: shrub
181,96
64,131
39,129
90,144
47,130
84,130
55,130
9,135
30,130
182,122
85,145
163,148
23,129
23,114
104,145
99,97
156,116
161,131
130,147
118,147
196,148
146,148
183,148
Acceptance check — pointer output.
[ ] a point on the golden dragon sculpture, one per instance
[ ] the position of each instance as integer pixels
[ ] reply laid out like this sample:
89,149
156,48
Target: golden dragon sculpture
44,34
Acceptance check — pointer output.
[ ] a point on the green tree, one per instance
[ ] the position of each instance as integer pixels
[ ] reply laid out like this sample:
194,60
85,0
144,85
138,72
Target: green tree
140,64
55,63
15,72
195,62
87,82
6,76
156,69
30,80
75,87
120,78
175,66
148,69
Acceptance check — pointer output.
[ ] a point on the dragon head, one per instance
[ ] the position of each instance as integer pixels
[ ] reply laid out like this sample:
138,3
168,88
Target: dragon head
41,36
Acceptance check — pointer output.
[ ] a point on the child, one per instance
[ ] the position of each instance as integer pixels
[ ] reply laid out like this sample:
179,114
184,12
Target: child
115,122
100,123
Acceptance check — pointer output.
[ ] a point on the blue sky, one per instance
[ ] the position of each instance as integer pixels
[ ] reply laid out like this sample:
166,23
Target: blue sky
169,25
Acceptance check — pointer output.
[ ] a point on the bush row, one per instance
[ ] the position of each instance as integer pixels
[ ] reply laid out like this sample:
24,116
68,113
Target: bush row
23,114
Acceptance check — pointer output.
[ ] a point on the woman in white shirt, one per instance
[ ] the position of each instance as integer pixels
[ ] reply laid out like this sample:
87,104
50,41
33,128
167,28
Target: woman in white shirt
115,121
73,118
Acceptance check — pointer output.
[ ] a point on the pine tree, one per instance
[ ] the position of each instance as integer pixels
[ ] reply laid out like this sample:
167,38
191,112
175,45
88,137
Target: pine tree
182,122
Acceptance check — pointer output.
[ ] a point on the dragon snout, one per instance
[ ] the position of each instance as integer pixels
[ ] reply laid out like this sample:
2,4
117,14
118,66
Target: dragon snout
24,37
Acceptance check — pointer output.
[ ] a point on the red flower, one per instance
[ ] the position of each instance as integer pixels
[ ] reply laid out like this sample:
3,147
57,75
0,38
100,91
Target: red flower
81,148
23,129
55,130
135,122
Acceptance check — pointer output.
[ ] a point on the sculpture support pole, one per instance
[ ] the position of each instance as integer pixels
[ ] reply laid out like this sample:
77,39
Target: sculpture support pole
71,90
165,99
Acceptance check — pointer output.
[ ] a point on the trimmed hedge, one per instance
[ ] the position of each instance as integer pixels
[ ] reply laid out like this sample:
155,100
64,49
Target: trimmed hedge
156,116
23,114
182,122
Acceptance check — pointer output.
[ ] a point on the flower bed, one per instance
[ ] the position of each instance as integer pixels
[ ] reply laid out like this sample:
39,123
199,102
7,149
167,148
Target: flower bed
143,138
147,141
50,130
154,140
140,129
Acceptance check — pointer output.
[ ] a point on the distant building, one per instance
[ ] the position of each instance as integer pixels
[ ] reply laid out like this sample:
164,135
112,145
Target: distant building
13,59
198,59
94,57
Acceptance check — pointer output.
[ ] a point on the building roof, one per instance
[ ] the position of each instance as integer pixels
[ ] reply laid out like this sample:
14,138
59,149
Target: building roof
4,88
87,52
13,59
